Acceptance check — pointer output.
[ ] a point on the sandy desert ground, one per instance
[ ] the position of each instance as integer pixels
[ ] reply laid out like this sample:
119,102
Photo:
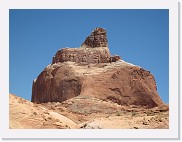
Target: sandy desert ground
84,112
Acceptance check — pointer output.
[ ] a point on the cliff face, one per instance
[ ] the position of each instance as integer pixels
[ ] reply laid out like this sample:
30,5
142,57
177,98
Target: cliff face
87,55
91,71
119,82
93,50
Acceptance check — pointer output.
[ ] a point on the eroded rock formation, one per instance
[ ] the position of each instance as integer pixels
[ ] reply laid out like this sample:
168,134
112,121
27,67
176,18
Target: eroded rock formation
88,55
98,38
93,50
91,71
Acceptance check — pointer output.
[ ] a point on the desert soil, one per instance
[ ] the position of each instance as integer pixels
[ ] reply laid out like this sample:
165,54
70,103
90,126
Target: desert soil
84,112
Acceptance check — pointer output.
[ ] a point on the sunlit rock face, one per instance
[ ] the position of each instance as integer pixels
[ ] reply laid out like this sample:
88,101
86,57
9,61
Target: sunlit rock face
91,71
93,50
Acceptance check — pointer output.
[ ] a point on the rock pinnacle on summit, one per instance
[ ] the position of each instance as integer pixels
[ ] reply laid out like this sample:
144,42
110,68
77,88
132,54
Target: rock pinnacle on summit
93,50
97,38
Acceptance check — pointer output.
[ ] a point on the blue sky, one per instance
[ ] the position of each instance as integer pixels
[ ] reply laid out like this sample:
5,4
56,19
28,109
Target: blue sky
140,37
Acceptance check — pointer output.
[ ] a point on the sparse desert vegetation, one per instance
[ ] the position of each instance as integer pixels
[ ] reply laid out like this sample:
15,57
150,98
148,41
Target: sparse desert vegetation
84,112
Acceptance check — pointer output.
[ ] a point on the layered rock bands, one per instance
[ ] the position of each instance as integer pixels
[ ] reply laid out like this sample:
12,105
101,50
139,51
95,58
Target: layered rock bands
91,70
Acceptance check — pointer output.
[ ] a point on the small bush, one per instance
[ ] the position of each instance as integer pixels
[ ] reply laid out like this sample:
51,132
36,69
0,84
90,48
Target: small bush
49,118
85,125
150,113
35,113
133,113
118,114
51,107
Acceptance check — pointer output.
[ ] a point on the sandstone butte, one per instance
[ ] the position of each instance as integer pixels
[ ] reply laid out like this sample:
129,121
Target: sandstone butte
90,70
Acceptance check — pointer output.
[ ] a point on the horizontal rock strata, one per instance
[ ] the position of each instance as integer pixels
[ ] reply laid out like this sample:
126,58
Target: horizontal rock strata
91,71
89,55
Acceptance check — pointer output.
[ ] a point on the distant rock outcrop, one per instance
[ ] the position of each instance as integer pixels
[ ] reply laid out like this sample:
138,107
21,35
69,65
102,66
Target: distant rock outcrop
91,71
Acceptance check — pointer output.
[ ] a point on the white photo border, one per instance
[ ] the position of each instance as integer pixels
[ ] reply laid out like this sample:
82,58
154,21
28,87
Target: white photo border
171,133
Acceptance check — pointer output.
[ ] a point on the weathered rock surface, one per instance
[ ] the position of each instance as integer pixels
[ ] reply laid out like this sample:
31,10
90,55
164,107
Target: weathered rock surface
27,115
87,55
93,50
118,82
98,38
90,70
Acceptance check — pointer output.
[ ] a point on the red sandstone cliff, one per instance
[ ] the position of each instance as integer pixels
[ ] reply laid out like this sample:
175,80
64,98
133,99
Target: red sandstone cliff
90,70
